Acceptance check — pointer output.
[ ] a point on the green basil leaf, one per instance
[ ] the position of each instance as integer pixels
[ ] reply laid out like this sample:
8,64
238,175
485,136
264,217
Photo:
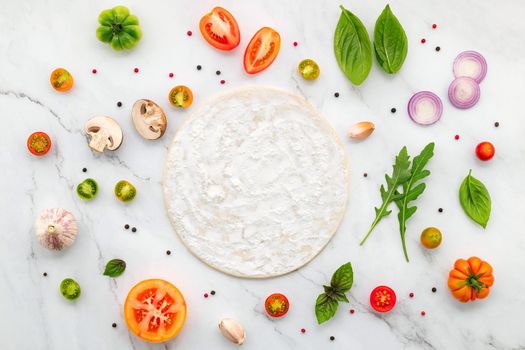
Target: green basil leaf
390,42
475,200
325,308
352,47
343,278
115,268
341,297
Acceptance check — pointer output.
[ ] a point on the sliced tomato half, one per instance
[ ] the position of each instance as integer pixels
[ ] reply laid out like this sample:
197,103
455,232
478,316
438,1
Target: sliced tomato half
155,310
220,29
39,143
276,305
262,50
383,299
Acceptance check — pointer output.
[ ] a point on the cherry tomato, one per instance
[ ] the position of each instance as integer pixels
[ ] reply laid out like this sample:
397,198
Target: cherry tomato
125,191
70,289
485,151
220,29
309,69
431,237
38,143
155,310
61,80
382,299
181,96
261,50
87,189
276,305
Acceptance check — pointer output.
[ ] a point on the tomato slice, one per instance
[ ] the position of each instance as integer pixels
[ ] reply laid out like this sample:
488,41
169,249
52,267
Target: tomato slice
220,29
181,96
155,310
125,191
276,305
383,299
38,143
261,50
61,80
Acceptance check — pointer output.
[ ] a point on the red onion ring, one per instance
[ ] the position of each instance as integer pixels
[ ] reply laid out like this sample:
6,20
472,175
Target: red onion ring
463,92
425,108
470,64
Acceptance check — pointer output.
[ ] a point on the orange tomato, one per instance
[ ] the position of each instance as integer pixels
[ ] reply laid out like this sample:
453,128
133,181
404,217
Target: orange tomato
220,29
39,143
181,96
61,80
261,50
155,310
470,279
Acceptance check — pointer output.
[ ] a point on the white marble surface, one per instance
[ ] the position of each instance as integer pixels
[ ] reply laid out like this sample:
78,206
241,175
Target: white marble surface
38,36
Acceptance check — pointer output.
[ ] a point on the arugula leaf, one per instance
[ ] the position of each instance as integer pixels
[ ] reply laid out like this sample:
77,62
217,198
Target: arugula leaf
115,268
352,47
390,42
327,302
400,174
475,199
412,190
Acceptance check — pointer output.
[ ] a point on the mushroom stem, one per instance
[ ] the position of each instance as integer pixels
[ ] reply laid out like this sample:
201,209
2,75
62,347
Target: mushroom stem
51,228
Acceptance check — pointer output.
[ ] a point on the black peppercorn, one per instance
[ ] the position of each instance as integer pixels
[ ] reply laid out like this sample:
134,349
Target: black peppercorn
212,292
438,48
126,227
332,338
440,210
168,252
114,325
434,289
84,170
336,94
496,124
45,274
199,67
393,110
365,174
119,104
134,229
218,72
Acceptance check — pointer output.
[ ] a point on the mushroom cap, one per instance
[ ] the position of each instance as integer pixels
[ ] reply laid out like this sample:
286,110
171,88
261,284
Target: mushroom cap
104,132
56,228
149,119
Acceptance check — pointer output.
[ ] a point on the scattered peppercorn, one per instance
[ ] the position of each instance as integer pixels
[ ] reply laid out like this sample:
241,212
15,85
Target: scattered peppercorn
365,174
171,75
423,41
423,313
336,94
189,33
434,26
45,274
440,210
114,325
168,252
218,72
199,67
434,289
126,227
84,170
303,330
393,110
295,43
212,292
496,124
352,311
119,104
223,82
205,295
456,137
438,48
332,338
134,229
411,295
136,70
94,71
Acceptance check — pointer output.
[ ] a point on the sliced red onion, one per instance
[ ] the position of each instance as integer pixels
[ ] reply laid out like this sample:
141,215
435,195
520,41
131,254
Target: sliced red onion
425,108
470,64
463,92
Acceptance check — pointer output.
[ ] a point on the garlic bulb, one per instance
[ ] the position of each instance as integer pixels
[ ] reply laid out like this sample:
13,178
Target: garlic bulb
232,330
361,130
56,228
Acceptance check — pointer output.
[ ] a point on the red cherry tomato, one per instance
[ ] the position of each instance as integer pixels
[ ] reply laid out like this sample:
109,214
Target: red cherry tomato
485,151
261,50
382,299
276,305
220,29
38,143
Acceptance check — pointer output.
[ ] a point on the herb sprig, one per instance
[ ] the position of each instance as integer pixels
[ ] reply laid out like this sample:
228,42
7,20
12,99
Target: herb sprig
327,302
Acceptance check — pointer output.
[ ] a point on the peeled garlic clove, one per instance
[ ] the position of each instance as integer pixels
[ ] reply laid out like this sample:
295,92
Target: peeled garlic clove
56,228
232,330
361,130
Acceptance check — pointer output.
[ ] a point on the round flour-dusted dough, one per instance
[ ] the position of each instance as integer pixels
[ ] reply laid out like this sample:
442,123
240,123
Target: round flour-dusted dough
256,182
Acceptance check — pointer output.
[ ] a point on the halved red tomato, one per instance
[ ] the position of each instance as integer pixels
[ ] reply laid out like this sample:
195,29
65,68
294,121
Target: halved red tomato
155,310
261,50
220,29
276,305
39,143
383,299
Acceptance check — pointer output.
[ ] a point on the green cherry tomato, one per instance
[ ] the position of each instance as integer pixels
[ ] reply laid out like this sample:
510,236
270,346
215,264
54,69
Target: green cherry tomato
309,69
431,237
119,28
125,191
70,289
87,189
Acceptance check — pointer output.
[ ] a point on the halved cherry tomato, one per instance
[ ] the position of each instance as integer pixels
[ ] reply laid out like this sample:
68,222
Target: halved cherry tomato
61,80
276,305
38,143
383,299
262,50
181,96
125,191
155,310
485,151
220,29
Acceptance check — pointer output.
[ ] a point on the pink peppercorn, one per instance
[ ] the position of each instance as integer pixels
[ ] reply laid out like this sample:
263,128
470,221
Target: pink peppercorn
94,71
303,330
423,41
434,26
205,295
171,75
423,313
456,137
223,82
411,295
295,43
189,33
352,311
136,70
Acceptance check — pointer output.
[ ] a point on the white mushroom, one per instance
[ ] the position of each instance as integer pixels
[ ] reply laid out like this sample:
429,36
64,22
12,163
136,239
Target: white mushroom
104,132
232,330
149,119
56,228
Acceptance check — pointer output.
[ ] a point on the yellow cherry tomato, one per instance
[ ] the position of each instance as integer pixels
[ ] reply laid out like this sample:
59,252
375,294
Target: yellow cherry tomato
431,237
181,96
309,69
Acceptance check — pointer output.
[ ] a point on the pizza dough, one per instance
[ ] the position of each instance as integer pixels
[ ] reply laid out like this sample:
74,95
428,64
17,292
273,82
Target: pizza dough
256,182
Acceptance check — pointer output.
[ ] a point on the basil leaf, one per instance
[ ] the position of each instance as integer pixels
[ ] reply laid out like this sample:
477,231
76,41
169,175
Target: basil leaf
352,47
343,278
390,42
115,268
325,308
475,200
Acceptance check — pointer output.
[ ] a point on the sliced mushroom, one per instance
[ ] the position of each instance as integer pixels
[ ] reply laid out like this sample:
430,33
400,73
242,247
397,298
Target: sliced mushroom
149,119
103,132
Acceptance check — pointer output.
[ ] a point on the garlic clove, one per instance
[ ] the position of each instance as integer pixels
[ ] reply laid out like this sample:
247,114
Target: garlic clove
232,330
361,130
56,228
